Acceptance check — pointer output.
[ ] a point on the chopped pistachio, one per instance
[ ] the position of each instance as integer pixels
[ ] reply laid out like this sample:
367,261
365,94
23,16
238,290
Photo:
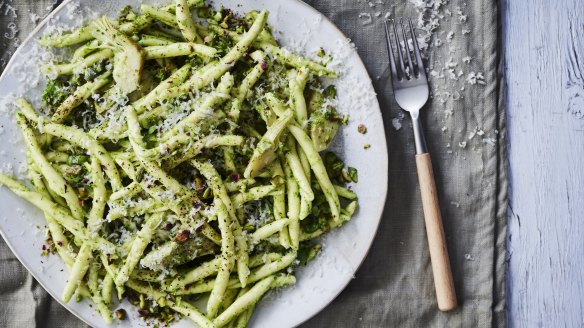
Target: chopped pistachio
362,128
345,120
121,314
350,174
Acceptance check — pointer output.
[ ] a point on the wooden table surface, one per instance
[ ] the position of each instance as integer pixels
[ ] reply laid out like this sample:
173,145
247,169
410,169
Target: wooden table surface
543,43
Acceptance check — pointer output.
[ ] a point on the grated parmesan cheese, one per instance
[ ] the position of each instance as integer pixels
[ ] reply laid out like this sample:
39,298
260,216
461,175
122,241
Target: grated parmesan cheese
366,18
396,122
475,78
12,31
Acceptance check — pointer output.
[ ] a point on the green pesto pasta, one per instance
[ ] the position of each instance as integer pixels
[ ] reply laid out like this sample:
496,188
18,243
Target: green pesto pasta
174,158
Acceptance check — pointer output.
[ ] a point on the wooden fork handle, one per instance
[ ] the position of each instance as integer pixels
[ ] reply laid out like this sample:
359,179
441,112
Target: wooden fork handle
443,282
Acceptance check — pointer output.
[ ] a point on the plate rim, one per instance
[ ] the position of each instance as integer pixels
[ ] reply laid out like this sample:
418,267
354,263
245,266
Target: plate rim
10,63
385,157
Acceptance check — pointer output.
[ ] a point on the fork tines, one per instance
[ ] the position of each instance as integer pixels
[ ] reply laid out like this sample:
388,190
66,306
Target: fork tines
400,71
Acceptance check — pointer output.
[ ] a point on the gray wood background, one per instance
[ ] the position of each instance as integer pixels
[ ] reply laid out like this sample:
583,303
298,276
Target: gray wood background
544,60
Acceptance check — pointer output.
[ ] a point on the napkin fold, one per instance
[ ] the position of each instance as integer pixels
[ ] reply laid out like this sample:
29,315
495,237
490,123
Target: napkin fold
465,128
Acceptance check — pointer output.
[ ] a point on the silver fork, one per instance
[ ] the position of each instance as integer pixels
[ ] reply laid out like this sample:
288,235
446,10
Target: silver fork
411,91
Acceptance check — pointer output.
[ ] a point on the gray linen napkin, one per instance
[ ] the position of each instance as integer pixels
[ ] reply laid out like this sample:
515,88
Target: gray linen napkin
465,131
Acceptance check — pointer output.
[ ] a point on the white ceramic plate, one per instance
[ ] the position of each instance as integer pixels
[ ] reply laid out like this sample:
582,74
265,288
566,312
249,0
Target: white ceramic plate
302,29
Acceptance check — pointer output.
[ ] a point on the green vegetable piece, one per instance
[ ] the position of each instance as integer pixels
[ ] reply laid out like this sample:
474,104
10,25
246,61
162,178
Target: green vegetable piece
54,93
128,57
350,174
314,223
333,165
345,120
330,92
77,159
324,121
79,96
307,252
322,130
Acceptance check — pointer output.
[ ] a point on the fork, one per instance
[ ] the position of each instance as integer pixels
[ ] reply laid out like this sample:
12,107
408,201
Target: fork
411,91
